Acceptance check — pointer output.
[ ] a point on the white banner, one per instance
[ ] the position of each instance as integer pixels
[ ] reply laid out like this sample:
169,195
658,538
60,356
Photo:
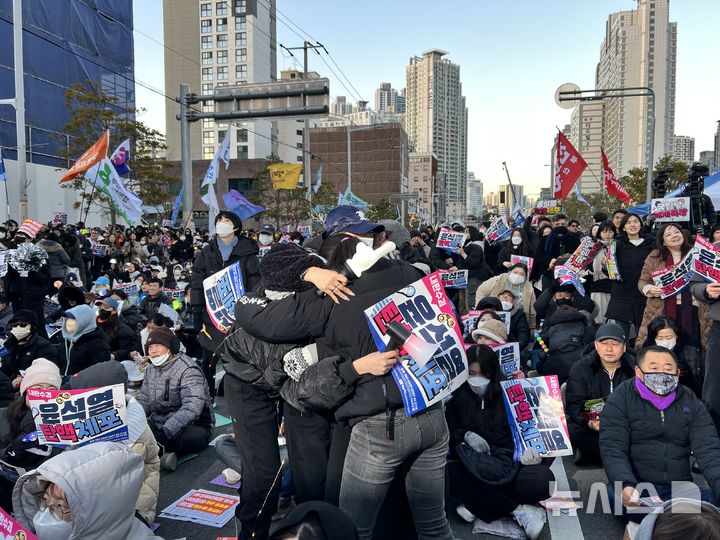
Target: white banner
105,178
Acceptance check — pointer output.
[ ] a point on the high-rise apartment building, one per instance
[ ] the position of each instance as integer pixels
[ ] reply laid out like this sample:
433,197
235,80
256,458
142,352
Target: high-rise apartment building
388,100
683,149
707,158
214,44
475,196
587,126
512,195
639,50
436,121
341,106
717,146
422,168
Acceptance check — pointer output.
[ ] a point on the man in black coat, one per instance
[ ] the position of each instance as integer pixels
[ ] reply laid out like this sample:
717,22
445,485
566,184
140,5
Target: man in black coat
604,365
648,429
227,247
25,345
150,305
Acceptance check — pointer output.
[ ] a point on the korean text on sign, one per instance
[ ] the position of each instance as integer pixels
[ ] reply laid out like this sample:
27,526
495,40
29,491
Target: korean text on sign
222,291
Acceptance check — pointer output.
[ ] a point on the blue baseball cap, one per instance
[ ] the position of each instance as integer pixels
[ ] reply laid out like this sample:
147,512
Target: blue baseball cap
351,220
102,280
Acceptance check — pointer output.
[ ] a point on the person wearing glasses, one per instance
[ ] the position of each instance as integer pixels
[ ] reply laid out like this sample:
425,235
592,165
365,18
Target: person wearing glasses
25,345
60,499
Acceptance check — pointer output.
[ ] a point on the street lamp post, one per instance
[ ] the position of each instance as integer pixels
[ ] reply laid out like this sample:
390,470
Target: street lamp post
570,93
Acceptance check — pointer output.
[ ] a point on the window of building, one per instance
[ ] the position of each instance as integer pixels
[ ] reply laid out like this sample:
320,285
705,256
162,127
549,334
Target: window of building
300,158
299,146
220,8
246,186
206,26
207,89
207,42
207,58
206,123
222,57
240,23
221,25
207,74
240,6
222,73
240,55
299,132
242,152
221,135
206,10
240,39
208,137
241,71
222,41
208,152
242,135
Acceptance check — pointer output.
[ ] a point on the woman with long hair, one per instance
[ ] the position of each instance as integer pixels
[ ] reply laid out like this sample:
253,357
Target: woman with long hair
601,282
517,244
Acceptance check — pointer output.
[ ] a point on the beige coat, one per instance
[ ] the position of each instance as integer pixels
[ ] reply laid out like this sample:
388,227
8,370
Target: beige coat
495,285
145,446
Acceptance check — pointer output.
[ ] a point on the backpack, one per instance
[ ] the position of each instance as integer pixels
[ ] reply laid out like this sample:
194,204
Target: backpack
566,337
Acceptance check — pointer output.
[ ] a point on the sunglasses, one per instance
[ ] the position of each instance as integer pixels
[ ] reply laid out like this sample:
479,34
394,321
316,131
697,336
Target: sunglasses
15,324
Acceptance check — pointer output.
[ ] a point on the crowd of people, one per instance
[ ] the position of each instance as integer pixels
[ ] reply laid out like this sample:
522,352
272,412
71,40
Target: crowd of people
90,307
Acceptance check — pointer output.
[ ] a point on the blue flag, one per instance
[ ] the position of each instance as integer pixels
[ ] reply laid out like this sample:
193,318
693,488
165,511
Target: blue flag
517,216
236,203
3,172
176,207
580,195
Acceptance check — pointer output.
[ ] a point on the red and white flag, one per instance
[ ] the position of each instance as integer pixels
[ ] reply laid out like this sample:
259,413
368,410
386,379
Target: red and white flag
569,166
611,182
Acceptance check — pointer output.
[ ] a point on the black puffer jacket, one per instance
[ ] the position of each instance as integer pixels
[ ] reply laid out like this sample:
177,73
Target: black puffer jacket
588,380
627,303
22,354
208,262
120,337
640,443
131,316
564,353
149,305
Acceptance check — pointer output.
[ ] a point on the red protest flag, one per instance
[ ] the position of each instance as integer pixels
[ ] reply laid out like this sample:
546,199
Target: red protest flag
569,165
611,182
92,156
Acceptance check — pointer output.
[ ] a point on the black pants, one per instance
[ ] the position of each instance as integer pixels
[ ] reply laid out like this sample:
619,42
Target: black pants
254,416
711,384
587,441
530,486
209,364
191,440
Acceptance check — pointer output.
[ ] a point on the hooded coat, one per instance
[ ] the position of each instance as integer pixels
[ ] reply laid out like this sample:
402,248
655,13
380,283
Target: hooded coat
101,482
57,258
65,294
87,345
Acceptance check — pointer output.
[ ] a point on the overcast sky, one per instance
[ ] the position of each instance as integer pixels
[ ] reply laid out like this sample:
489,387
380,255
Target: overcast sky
512,56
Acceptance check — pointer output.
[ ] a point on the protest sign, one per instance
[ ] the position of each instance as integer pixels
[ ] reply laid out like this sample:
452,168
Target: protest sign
169,312
509,357
536,416
305,231
12,530
67,418
175,294
527,261
550,206
707,260
498,231
263,250
98,249
454,280
611,262
131,289
222,291
592,409
673,279
30,227
671,209
203,507
505,317
583,255
450,240
60,217
567,275
470,320
424,308
4,261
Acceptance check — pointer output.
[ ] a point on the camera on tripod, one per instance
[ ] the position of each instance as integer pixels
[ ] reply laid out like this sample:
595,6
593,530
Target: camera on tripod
694,189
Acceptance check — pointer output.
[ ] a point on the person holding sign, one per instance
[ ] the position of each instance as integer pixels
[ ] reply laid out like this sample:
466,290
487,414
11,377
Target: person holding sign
649,427
672,245
601,282
517,244
516,281
486,480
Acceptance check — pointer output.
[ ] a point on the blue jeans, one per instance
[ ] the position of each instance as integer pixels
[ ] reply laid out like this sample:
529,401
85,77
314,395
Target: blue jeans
419,447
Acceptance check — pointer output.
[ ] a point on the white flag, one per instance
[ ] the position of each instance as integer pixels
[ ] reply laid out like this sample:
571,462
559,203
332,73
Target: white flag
223,153
211,201
105,178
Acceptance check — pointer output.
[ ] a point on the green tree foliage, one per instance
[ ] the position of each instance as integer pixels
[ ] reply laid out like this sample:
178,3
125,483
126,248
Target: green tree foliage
282,206
91,112
381,210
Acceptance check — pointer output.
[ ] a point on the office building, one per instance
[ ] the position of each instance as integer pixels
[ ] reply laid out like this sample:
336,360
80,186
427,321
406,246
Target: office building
64,43
717,147
215,44
436,121
474,196
422,171
587,125
639,50
683,149
707,158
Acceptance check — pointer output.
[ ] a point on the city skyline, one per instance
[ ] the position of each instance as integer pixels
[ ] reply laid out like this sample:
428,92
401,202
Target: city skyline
511,84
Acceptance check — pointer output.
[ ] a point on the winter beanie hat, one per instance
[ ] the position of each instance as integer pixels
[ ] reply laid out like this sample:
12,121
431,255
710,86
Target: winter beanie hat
282,267
161,336
42,371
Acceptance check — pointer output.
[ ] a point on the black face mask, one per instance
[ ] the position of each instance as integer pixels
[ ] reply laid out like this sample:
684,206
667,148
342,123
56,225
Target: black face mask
104,314
563,302
562,231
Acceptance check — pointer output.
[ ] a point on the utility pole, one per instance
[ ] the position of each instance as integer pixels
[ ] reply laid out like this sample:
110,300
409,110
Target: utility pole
185,154
20,104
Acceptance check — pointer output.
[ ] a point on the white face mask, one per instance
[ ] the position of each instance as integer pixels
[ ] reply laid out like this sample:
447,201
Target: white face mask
265,239
507,306
49,528
667,343
478,385
516,240
224,229
516,279
158,361
20,332
367,241
182,237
